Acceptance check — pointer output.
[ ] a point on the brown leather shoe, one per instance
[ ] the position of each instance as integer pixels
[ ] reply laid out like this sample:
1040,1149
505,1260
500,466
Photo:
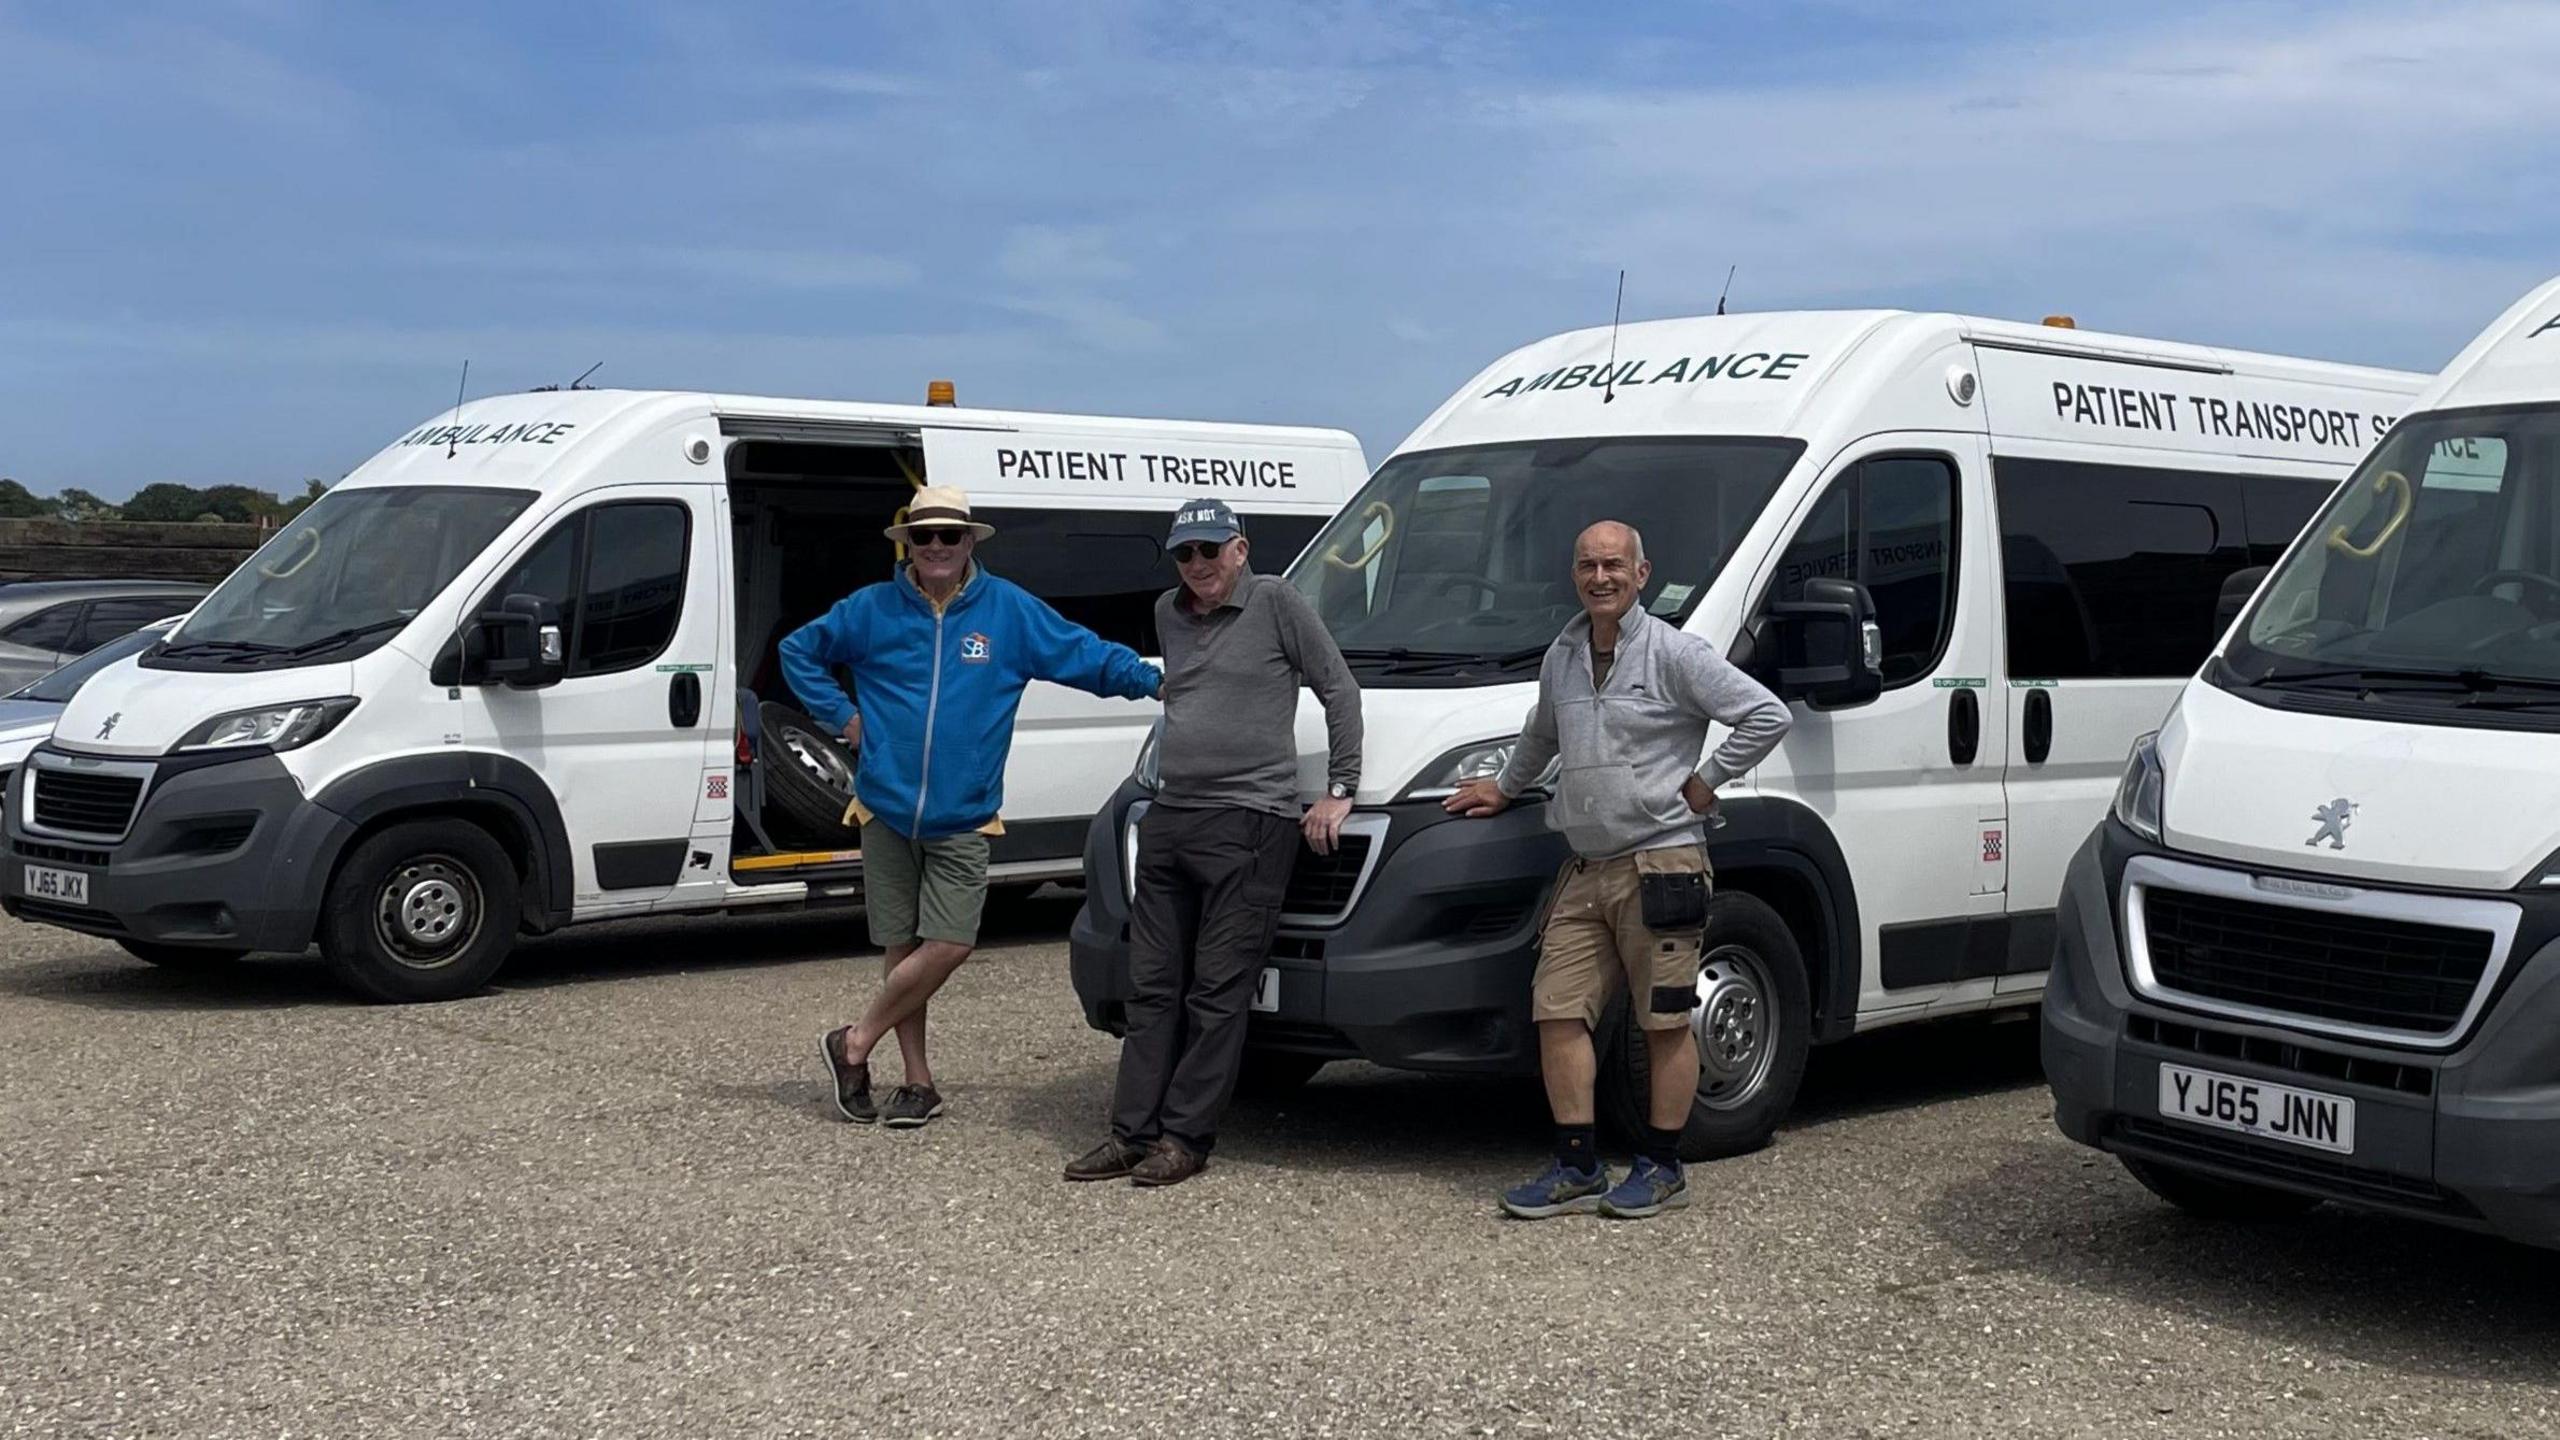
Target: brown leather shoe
1109,1160
1168,1162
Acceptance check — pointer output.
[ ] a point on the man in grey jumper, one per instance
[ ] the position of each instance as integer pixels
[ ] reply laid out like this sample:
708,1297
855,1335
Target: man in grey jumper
1625,699
1216,847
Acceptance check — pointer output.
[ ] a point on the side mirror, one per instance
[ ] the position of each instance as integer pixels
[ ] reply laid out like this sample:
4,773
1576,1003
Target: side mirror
2237,587
1830,649
522,651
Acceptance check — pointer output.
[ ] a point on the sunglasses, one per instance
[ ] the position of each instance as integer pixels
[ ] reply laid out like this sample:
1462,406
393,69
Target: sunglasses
936,535
1197,550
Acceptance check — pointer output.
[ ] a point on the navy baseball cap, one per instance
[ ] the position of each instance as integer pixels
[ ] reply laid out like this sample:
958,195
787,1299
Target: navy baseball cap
1210,520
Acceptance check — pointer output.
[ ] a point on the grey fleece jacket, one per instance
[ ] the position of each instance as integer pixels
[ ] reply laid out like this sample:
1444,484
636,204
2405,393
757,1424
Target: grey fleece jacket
1630,745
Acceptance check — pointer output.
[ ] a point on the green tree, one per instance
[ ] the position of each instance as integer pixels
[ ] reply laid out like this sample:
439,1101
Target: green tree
311,490
79,504
165,501
17,504
240,504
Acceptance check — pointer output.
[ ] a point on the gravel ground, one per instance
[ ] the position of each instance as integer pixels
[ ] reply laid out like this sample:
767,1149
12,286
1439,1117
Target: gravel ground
610,1198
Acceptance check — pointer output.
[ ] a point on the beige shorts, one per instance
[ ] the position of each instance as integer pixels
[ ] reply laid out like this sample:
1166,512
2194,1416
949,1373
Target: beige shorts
1595,934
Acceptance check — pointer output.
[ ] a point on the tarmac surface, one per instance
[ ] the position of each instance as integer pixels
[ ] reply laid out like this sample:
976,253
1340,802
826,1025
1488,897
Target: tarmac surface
610,1197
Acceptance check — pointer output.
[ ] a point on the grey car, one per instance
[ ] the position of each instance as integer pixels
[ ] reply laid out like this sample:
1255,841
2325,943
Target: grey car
47,623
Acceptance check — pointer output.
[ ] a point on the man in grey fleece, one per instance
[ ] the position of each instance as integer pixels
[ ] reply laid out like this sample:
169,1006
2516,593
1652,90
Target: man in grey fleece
1216,847
1625,698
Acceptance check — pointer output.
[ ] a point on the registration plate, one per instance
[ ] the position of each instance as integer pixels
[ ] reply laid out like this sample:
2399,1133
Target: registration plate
70,887
1266,992
2254,1107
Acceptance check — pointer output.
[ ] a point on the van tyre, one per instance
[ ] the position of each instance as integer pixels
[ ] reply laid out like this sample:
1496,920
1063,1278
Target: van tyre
1754,1026
808,779
181,957
422,910
2214,1198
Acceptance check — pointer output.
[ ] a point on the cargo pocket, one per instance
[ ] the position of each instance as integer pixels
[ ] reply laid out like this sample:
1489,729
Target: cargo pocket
1672,892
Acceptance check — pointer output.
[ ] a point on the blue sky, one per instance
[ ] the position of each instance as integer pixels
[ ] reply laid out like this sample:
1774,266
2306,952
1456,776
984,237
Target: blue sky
253,240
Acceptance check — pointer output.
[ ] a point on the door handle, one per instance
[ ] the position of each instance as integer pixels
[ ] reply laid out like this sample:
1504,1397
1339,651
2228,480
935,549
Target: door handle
684,700
2038,726
1964,727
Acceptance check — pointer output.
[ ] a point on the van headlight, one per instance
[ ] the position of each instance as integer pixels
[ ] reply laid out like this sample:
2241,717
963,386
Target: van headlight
2138,794
277,727
1481,761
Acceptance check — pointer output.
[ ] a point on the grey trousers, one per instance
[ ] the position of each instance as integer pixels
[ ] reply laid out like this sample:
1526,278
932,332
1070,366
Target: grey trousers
1208,897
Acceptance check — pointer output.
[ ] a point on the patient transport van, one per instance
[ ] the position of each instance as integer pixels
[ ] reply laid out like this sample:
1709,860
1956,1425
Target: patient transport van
2314,952
519,670
1977,558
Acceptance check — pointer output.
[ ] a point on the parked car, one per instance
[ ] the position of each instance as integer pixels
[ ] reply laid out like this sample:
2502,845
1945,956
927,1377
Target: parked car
45,624
28,712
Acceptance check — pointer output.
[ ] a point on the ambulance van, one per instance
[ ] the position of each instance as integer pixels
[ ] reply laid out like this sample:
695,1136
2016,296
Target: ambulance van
519,671
1976,557
2314,951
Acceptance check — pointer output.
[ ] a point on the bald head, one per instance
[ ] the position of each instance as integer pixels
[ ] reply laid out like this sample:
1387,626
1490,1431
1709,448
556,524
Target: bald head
1617,532
1609,572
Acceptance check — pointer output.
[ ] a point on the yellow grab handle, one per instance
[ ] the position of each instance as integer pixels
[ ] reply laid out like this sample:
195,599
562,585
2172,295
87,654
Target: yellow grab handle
1380,511
2387,481
276,569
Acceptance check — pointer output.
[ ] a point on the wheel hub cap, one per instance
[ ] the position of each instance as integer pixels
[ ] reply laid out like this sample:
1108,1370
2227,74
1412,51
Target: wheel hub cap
1732,1024
429,910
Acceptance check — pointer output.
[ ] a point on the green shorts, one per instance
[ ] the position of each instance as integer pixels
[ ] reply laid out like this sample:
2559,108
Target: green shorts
923,889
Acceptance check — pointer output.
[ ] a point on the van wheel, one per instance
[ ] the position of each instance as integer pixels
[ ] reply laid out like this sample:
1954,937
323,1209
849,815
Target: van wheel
1754,1027
1275,1074
808,778
2215,1198
424,910
181,957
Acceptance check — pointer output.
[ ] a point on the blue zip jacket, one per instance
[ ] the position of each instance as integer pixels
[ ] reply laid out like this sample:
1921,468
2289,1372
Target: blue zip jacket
938,692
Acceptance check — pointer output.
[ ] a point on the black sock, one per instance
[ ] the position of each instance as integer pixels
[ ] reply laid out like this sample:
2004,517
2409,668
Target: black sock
1660,1146
1578,1147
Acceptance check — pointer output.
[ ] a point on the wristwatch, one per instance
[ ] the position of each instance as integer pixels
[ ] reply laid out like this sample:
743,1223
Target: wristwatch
1338,790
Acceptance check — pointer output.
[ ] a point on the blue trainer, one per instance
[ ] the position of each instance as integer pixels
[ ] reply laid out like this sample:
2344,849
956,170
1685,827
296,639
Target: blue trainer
1558,1192
1649,1189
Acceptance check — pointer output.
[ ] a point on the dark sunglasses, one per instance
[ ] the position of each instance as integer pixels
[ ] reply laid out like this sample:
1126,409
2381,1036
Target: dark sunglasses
1197,550
936,535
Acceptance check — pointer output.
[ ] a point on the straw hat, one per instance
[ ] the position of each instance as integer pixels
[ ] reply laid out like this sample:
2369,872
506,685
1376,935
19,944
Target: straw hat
937,505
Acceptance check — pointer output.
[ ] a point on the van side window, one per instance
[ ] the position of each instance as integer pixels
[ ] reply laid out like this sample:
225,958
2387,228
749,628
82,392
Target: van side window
1103,569
633,593
612,578
2114,570
1902,547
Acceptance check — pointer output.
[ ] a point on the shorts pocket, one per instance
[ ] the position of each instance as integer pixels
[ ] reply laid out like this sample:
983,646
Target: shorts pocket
1671,890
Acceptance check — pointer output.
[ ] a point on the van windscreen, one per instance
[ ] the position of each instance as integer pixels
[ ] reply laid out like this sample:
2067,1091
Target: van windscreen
2431,580
344,577
1460,562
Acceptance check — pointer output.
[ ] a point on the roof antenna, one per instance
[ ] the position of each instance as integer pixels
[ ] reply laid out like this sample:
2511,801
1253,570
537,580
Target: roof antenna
581,382
1728,287
459,386
1609,382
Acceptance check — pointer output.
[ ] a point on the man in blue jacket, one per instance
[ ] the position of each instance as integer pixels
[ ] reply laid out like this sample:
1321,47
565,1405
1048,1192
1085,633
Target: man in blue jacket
939,657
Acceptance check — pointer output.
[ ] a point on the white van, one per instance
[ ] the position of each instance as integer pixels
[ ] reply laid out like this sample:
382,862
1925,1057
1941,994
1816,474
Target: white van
1977,557
495,681
2314,953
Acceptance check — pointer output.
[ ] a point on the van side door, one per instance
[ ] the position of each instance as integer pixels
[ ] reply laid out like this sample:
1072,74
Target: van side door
1909,782
2111,571
621,726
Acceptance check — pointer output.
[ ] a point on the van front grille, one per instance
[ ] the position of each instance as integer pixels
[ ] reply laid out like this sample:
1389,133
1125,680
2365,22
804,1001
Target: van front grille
1321,886
2394,974
78,802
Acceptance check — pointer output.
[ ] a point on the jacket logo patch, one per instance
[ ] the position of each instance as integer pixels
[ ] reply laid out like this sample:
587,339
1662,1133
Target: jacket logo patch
973,648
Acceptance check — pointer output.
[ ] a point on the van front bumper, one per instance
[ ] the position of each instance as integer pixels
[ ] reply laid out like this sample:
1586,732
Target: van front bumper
2467,1137
218,855
1429,971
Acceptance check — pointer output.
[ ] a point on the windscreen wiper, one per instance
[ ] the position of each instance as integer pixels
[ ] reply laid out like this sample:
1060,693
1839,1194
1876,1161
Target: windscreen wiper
2383,678
220,647
336,638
